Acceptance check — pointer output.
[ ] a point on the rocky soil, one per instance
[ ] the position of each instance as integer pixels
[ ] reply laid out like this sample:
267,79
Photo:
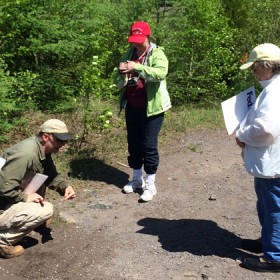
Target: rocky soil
191,230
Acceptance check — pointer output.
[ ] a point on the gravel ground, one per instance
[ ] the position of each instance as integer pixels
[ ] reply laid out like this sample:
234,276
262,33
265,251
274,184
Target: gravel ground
191,230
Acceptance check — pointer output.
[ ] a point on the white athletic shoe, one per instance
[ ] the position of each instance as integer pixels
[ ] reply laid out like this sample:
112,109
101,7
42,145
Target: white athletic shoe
149,192
134,184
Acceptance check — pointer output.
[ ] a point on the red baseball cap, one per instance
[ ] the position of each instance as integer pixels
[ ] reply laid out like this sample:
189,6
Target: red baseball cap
139,31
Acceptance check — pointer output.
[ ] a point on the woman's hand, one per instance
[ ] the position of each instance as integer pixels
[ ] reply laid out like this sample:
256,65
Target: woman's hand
240,144
122,67
127,67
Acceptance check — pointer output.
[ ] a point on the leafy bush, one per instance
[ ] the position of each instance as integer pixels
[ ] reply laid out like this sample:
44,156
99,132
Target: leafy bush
48,50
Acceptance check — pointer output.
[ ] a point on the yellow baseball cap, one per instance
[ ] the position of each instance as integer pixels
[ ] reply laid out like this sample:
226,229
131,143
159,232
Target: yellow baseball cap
263,52
56,127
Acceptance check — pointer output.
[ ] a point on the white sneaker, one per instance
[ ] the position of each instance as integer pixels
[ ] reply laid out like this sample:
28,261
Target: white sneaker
134,184
149,192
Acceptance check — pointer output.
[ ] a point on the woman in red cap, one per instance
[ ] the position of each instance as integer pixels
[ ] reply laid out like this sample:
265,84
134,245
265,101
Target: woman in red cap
141,80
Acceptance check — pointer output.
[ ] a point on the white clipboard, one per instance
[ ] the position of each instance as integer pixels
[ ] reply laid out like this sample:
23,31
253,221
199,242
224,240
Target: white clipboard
236,108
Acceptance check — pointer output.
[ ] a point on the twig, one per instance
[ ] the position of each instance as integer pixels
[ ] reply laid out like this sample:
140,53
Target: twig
122,164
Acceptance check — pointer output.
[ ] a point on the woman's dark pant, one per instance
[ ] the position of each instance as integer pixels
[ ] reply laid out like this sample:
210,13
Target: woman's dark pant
142,139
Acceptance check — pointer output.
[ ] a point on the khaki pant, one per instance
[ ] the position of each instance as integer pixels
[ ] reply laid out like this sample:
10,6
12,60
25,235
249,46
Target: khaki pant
20,219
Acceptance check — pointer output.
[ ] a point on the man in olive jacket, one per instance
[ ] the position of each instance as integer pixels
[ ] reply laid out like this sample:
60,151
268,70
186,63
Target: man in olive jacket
21,212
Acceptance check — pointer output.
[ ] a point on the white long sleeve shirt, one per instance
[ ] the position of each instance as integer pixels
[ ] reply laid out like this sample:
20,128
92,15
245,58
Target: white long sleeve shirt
261,133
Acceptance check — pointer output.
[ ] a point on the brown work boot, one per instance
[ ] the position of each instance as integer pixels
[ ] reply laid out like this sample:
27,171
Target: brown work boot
8,252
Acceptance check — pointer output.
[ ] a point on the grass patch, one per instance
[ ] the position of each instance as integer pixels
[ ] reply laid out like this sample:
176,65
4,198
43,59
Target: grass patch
188,118
184,119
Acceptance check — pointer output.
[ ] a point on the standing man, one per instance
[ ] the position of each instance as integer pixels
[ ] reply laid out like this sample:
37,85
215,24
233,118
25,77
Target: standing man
20,212
259,139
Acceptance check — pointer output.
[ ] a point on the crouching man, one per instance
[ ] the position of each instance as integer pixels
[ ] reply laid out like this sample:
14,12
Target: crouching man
20,211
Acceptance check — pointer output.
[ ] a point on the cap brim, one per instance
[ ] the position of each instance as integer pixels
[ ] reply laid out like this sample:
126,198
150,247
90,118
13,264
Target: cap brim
139,39
63,136
246,65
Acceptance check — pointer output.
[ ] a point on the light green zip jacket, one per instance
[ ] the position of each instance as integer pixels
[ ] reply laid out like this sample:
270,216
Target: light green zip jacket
154,71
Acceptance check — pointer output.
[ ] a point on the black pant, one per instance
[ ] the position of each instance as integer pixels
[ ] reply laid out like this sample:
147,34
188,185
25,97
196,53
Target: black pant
142,139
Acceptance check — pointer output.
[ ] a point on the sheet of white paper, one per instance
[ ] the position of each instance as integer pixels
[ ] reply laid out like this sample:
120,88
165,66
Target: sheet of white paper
35,183
236,108
2,162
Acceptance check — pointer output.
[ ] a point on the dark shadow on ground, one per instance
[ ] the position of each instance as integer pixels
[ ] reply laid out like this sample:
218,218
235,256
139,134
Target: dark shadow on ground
198,237
45,232
97,170
27,242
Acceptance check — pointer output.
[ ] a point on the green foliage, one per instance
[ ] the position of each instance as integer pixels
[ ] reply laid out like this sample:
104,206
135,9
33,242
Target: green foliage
255,21
6,107
59,56
55,41
94,90
199,46
10,107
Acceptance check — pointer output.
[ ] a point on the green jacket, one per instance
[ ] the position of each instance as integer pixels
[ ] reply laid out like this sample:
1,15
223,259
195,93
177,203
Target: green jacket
22,160
154,72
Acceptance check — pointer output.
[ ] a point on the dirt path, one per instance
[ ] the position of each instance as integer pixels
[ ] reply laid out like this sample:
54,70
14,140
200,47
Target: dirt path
191,230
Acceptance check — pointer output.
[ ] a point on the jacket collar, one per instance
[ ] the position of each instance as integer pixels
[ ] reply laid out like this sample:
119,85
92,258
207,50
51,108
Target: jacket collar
41,150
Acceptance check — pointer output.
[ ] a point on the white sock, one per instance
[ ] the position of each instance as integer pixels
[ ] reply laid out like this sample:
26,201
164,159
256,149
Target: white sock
137,174
150,179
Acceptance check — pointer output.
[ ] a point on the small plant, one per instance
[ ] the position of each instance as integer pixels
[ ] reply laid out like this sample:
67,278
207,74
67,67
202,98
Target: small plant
105,119
196,148
89,100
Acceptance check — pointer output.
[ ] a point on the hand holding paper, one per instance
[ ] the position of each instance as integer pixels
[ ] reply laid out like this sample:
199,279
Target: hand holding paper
34,197
236,108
